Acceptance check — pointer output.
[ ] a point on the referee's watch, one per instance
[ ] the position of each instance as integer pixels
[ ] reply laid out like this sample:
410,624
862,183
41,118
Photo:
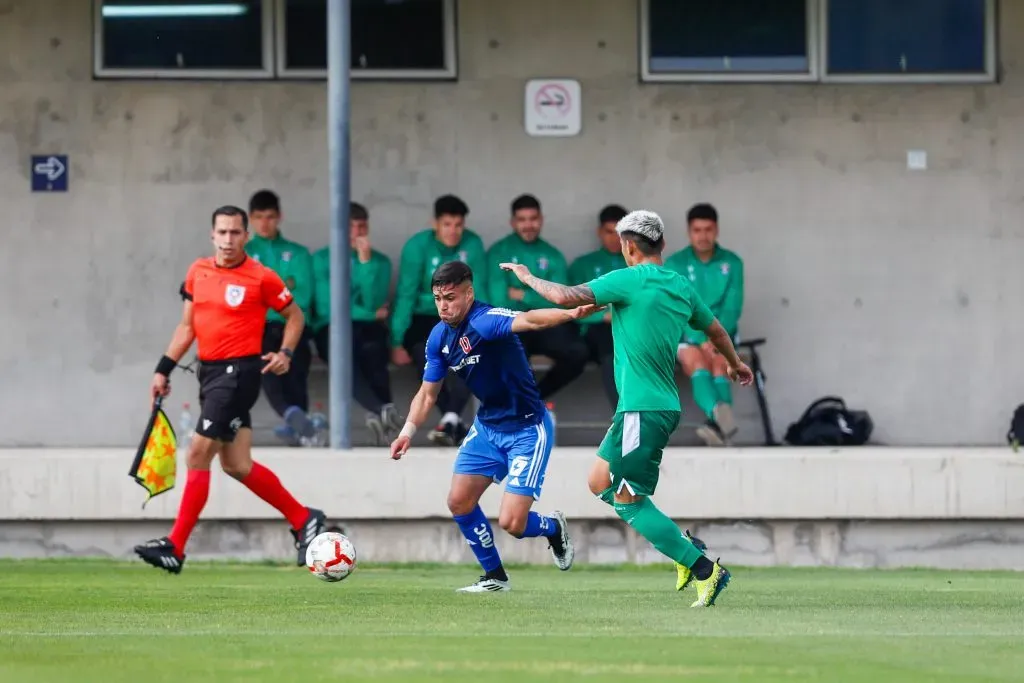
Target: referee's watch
288,352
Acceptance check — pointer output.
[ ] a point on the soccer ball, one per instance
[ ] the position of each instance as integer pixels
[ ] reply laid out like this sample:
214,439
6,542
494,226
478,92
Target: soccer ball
331,556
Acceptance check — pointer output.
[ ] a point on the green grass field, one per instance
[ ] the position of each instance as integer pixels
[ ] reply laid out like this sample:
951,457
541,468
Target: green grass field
105,621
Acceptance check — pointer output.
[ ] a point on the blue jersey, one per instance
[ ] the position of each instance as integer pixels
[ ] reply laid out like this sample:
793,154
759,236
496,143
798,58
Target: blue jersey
485,353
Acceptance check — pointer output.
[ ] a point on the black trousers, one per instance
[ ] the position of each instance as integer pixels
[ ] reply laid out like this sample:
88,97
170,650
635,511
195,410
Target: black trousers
371,383
598,338
454,393
565,348
291,388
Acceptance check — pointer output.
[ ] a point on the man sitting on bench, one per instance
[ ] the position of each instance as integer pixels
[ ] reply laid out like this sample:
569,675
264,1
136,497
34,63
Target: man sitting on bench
717,275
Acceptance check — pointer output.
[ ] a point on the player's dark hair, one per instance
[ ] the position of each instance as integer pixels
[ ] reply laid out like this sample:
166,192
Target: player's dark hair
525,201
451,273
613,213
358,212
230,211
646,246
701,212
450,205
264,200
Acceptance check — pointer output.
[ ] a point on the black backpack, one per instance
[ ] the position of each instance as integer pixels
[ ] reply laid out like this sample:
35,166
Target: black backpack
828,422
1016,433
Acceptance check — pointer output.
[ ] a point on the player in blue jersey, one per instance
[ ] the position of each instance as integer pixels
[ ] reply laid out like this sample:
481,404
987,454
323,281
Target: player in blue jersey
510,437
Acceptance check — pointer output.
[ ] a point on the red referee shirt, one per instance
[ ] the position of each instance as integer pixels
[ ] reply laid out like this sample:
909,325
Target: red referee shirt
229,306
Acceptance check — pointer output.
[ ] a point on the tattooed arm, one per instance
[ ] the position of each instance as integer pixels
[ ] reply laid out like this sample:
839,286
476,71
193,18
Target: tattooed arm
561,295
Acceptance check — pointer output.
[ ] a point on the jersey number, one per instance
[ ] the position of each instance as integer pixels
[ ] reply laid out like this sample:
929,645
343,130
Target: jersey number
517,466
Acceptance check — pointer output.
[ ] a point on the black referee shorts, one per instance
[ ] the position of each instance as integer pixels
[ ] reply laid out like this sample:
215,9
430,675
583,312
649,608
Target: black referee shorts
228,389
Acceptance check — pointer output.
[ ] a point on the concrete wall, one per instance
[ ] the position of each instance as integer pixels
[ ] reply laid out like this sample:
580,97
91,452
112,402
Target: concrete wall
869,507
895,289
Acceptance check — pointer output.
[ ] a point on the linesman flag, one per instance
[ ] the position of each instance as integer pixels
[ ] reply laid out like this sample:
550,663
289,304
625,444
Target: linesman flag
155,462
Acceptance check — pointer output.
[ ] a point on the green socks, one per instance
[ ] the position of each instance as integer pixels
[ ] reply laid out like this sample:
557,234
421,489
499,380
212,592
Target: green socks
704,393
662,532
723,388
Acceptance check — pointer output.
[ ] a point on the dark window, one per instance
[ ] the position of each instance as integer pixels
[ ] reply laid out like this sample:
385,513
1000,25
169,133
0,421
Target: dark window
906,37
170,35
387,35
722,36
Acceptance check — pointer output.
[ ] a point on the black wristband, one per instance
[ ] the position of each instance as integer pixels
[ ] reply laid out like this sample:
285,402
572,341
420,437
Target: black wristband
165,366
288,352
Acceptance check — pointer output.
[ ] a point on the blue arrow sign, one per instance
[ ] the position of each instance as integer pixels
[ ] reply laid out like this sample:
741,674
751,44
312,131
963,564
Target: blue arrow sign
50,173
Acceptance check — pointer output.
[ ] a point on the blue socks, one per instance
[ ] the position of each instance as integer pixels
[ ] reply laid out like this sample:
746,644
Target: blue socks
480,536
477,531
539,525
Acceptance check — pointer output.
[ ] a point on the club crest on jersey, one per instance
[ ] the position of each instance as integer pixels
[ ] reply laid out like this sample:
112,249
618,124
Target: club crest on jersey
466,346
234,295
286,256
725,269
463,256
542,263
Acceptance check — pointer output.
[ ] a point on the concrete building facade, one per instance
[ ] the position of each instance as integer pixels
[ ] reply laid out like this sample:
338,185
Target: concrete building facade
896,289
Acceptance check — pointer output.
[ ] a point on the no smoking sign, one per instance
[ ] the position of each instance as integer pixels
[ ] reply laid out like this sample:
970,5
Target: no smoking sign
553,107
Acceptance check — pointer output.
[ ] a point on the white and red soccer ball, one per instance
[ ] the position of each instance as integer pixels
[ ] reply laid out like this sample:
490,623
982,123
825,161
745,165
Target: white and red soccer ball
331,556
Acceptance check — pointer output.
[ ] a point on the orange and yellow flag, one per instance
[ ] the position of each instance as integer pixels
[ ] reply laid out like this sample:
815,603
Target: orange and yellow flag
156,460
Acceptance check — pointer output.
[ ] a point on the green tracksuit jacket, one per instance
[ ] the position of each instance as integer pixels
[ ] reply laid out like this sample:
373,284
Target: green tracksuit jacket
292,262
719,282
421,255
371,284
543,260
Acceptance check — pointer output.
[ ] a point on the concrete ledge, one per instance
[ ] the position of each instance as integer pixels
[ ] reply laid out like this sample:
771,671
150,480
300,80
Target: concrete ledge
696,484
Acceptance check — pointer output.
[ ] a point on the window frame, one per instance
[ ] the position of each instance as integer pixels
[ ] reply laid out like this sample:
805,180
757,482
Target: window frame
99,71
813,58
449,73
988,76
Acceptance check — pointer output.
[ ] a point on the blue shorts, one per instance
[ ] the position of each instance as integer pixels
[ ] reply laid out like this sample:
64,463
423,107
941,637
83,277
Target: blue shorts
522,456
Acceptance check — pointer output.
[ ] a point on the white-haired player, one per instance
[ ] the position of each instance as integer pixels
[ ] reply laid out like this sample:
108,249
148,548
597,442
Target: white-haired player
651,305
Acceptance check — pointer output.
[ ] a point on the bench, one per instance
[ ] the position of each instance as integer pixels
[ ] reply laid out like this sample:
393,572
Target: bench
748,350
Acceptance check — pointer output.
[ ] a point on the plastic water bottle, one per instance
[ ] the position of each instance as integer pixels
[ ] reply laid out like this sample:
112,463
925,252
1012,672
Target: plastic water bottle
554,422
185,427
319,421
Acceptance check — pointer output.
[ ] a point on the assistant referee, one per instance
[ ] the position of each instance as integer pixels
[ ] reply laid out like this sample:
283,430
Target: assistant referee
226,298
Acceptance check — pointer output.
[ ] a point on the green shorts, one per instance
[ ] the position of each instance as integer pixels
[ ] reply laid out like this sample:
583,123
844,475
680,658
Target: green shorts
633,448
693,337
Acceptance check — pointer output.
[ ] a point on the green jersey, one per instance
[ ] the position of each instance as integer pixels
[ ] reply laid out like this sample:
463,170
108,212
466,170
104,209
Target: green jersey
292,262
594,265
371,283
651,304
421,255
719,282
543,259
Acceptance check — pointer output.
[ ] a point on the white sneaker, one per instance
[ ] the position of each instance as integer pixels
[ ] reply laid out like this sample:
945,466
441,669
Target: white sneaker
486,585
391,420
726,420
563,559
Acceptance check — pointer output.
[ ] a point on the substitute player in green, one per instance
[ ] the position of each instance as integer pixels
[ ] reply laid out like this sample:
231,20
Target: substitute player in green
651,306
717,275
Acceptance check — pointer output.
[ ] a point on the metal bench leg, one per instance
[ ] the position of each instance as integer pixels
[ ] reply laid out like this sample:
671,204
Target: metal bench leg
762,400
